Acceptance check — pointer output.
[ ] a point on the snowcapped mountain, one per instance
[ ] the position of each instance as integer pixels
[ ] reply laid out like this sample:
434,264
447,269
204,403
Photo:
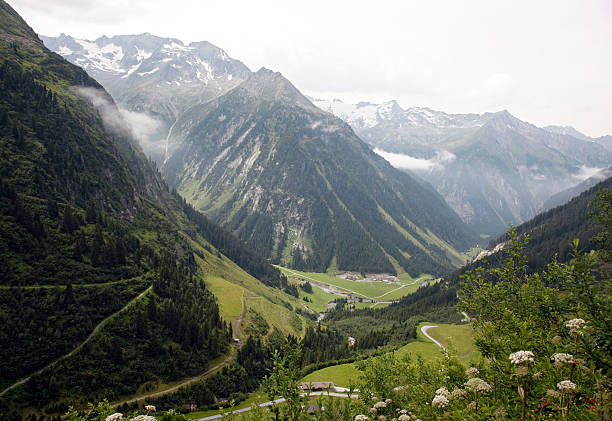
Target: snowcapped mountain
367,115
492,168
155,80
145,56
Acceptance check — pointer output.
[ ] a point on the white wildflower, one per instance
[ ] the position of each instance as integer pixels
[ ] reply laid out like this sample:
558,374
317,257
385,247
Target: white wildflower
566,385
472,372
404,417
439,401
443,391
361,417
143,418
380,404
382,417
520,357
150,408
563,358
117,416
577,324
477,385
388,401
457,393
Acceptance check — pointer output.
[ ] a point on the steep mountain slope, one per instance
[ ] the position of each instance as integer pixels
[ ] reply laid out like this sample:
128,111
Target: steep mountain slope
566,195
87,226
552,232
298,185
491,168
160,77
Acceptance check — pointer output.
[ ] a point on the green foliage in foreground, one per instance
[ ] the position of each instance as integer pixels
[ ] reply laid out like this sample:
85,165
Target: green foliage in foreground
545,342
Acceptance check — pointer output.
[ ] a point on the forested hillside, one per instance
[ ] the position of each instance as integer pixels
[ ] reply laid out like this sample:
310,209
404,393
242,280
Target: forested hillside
87,227
550,233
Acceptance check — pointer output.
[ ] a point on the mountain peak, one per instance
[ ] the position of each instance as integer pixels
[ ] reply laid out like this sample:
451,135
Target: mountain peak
269,85
504,116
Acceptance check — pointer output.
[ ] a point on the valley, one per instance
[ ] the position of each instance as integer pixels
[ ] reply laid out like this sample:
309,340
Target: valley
369,291
181,236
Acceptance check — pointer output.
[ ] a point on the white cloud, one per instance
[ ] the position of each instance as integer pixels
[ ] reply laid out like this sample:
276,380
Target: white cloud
407,162
140,126
587,172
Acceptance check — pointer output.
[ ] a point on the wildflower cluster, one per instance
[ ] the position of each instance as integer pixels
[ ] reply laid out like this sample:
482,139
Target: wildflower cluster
561,358
575,324
521,357
477,385
457,393
404,415
439,401
472,372
443,391
566,385
380,405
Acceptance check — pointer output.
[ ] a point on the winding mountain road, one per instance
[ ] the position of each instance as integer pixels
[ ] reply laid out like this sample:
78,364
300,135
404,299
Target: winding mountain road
199,376
91,335
424,329
274,402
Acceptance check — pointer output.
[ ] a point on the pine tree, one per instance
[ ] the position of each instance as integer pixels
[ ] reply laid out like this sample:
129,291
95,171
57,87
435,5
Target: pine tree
97,246
69,222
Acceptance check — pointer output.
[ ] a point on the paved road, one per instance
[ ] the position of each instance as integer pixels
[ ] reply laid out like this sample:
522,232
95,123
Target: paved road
199,376
274,402
424,329
91,335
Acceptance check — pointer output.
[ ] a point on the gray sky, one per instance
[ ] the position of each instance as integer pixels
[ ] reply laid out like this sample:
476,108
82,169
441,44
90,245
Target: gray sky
547,62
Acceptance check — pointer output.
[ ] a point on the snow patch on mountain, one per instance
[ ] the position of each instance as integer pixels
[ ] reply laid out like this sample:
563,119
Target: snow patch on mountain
360,115
365,115
131,70
149,72
106,58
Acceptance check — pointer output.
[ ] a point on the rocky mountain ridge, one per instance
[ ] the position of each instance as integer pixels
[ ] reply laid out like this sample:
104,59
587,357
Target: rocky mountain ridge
492,169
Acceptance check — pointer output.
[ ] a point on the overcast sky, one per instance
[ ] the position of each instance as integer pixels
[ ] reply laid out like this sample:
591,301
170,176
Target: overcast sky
547,62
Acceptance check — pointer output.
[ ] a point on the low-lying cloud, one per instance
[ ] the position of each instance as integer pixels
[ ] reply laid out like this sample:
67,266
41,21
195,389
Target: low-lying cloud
407,162
587,172
142,127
